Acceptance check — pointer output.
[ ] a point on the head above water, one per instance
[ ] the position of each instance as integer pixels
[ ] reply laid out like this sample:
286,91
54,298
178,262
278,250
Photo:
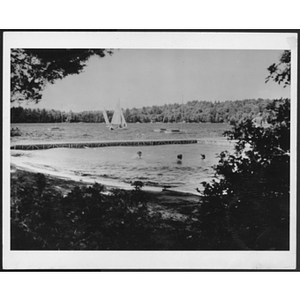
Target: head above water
179,156
139,153
202,156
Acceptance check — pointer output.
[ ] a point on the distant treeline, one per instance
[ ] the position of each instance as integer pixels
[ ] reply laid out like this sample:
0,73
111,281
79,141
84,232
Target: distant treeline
192,111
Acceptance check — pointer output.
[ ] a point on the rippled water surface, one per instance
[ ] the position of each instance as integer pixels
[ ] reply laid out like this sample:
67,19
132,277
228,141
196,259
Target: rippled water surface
158,165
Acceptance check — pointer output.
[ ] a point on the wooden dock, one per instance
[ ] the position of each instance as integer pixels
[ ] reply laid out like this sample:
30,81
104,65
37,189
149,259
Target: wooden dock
98,144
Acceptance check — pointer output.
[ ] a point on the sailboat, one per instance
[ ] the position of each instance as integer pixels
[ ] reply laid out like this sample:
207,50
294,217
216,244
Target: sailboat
118,120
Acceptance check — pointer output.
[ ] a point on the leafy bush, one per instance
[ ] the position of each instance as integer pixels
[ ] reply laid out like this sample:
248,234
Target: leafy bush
252,194
84,219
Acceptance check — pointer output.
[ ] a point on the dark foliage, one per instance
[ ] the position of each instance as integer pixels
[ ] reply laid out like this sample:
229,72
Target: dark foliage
32,69
281,72
88,218
253,186
83,219
42,218
193,111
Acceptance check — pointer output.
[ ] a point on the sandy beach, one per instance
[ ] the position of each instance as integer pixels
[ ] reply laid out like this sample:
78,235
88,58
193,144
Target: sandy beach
26,165
67,182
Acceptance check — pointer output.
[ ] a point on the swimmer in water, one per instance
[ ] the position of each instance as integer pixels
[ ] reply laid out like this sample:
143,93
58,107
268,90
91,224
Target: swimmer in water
139,153
179,158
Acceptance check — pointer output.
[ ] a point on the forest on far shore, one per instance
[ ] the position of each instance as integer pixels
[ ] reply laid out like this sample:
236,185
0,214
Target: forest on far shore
192,111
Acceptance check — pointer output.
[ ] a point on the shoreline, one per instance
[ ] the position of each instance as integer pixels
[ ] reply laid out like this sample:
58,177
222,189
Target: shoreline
110,183
73,180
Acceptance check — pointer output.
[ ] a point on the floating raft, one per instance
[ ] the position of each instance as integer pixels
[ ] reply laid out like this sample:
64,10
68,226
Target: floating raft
87,144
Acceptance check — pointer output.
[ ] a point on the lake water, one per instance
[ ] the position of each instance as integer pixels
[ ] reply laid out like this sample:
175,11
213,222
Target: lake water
157,167
99,131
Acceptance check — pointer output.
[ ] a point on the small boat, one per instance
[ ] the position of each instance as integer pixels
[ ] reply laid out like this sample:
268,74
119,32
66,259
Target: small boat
55,128
118,121
174,130
160,129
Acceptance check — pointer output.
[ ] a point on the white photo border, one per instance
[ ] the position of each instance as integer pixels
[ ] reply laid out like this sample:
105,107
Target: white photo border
155,260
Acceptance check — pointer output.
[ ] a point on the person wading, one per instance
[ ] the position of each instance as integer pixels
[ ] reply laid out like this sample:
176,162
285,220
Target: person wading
179,158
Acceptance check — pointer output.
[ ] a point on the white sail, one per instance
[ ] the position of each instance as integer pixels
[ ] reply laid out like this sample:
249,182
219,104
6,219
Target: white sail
105,117
118,117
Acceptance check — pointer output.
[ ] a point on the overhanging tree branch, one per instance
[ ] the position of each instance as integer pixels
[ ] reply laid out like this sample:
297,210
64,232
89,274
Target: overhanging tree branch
33,69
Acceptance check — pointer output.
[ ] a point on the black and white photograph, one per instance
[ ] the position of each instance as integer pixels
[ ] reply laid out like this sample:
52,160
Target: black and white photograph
149,150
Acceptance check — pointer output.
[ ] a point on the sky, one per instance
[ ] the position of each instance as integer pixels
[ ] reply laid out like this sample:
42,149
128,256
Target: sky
146,77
